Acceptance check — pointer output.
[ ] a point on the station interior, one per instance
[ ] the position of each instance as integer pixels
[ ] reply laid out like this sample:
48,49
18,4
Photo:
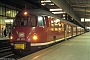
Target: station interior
74,11
77,11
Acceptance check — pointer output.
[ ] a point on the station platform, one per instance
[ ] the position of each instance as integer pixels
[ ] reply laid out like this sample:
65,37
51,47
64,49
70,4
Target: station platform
4,38
77,48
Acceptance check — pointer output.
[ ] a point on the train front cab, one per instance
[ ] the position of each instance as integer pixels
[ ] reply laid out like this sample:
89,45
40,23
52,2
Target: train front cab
27,35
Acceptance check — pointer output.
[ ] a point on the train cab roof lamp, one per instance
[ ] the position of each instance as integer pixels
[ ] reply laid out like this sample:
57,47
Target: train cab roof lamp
25,13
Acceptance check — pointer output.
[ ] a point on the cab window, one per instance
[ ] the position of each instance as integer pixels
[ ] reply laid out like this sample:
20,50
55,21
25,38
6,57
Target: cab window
23,21
32,21
40,21
15,23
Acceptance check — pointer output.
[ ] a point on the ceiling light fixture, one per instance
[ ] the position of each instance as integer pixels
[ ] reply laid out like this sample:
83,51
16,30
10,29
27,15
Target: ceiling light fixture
58,12
55,9
45,1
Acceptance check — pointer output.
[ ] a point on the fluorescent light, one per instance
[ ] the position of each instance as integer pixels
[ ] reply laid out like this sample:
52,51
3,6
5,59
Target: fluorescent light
64,18
55,9
58,12
8,12
9,20
78,27
45,1
63,15
82,19
43,4
51,4
88,27
87,20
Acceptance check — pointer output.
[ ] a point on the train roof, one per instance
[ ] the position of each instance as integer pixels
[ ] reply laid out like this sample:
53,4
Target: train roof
46,13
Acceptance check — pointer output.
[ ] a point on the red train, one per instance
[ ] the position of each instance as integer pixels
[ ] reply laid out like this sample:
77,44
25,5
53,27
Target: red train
37,28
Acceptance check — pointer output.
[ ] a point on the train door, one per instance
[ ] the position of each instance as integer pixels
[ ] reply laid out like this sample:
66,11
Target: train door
65,31
72,32
41,28
47,28
76,30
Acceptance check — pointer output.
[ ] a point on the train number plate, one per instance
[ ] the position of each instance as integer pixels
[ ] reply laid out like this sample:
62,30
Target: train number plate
19,46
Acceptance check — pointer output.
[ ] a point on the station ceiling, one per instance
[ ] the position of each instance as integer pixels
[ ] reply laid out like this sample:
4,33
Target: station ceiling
77,9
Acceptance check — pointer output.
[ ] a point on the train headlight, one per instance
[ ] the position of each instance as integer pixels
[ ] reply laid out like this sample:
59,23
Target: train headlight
35,37
11,37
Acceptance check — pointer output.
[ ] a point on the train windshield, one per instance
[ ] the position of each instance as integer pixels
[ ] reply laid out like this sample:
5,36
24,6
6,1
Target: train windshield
25,21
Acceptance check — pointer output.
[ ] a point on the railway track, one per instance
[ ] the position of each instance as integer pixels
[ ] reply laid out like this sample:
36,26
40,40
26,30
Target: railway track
6,53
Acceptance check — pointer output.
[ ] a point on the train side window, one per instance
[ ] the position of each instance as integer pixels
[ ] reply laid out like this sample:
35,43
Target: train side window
32,21
40,21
